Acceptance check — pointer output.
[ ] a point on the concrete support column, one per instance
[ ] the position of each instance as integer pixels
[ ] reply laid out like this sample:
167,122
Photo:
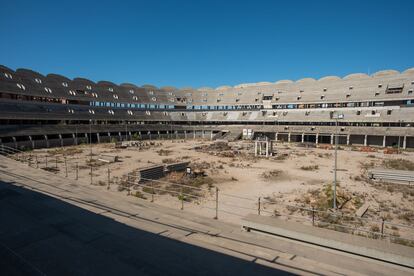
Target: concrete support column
194,134
149,134
98,138
202,134
159,136
289,137
119,134
47,141
211,135
185,134
276,136
303,137
109,135
332,139
75,139
404,142
15,141
348,138
317,138
384,141
267,149
365,140
255,148
32,142
61,140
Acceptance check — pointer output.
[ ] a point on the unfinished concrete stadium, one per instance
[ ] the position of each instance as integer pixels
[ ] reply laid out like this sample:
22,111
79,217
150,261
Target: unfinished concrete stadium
292,177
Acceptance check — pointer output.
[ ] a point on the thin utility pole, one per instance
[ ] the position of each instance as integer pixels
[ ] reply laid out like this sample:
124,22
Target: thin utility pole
336,163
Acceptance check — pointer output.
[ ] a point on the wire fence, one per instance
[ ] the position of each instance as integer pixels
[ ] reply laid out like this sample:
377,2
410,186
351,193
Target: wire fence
219,201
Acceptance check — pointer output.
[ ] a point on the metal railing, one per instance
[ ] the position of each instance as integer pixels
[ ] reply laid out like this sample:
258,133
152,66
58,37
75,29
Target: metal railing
219,204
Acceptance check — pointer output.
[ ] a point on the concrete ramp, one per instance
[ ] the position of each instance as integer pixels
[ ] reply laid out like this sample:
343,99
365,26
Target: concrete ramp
375,249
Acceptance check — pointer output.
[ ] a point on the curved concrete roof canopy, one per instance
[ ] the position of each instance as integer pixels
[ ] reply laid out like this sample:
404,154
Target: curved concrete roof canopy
29,73
58,77
329,78
385,73
306,80
149,86
83,80
129,85
106,83
355,76
283,82
409,70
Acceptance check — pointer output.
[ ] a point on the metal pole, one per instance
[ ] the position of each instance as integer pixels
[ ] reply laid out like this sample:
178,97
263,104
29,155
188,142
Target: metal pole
152,194
258,206
129,190
217,190
153,191
109,179
90,136
56,161
76,171
182,199
336,162
66,168
382,227
313,216
399,138
46,161
91,173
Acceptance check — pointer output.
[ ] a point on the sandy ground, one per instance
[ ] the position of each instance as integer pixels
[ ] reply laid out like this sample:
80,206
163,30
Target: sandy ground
240,179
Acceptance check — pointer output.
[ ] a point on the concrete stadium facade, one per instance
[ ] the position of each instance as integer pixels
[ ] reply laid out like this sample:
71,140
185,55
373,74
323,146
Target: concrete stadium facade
46,111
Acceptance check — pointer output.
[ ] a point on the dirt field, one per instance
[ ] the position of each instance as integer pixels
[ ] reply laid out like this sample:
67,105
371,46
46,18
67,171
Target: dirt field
294,176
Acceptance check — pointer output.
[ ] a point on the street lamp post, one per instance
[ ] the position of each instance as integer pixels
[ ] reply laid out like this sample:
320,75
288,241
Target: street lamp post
399,137
90,138
126,131
336,116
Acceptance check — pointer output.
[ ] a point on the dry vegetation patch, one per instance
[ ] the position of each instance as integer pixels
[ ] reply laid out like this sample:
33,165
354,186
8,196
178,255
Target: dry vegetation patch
65,151
272,175
310,168
163,152
399,164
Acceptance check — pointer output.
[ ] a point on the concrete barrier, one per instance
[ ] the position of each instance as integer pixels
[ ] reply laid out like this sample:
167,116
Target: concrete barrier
108,158
376,249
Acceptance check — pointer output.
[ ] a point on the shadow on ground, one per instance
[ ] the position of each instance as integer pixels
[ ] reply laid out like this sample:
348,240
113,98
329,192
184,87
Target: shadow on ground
40,235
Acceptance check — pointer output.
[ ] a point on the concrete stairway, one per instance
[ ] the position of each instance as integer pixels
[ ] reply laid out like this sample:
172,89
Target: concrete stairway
232,136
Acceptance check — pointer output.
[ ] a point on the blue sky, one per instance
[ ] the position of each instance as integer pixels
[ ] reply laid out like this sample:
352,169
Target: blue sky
206,43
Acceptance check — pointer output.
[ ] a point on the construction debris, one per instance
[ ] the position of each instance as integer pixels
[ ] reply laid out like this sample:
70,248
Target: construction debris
362,210
150,173
107,158
397,176
180,166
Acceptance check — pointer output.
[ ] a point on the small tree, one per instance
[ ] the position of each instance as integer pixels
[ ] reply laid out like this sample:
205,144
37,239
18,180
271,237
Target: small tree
136,136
